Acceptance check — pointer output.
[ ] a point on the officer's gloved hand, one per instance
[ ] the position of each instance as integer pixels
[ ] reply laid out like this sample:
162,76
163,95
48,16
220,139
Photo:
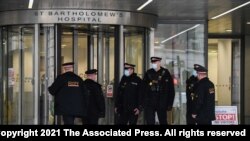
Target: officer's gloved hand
169,108
136,111
117,110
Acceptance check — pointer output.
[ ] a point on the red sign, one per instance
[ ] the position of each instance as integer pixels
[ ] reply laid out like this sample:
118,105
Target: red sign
109,91
226,115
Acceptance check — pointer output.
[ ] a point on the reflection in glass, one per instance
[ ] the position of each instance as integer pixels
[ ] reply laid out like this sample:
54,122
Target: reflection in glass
67,46
82,54
28,95
134,48
133,37
13,96
179,54
224,70
236,75
47,69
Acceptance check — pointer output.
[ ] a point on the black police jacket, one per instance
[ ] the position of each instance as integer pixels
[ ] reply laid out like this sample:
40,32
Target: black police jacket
160,91
70,95
204,101
96,101
190,88
129,95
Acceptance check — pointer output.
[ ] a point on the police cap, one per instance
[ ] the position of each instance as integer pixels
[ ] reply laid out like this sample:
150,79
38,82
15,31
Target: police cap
127,66
200,68
154,59
91,71
68,64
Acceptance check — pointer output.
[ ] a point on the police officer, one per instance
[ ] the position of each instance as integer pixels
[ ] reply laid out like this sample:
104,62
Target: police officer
129,99
96,101
160,93
70,93
204,100
190,87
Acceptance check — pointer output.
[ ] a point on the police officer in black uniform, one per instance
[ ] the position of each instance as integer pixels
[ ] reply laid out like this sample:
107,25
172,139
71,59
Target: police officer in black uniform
160,93
96,101
204,100
70,94
190,87
129,99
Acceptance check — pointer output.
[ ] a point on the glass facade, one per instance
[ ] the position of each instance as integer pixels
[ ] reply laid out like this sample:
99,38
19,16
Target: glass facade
47,73
134,44
93,46
17,86
89,46
180,50
225,71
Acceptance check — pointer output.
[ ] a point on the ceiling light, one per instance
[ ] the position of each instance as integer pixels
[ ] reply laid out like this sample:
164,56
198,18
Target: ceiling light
64,45
30,4
248,22
157,47
67,33
145,4
231,10
228,30
180,33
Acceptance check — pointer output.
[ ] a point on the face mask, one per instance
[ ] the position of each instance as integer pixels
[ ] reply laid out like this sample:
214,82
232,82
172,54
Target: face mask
154,66
126,72
194,73
94,78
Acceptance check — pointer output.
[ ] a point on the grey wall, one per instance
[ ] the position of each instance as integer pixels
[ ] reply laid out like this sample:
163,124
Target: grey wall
247,81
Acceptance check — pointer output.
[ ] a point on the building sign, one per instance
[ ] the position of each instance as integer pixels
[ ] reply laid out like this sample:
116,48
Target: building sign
109,91
78,16
226,115
82,16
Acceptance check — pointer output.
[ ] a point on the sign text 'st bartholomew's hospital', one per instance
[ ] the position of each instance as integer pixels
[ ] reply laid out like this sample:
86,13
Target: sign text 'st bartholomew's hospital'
77,16
88,16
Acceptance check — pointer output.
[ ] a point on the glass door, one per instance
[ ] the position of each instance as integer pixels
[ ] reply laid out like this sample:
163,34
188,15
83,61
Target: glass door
14,89
3,81
180,46
74,46
89,47
104,56
224,70
20,97
47,69
27,73
134,49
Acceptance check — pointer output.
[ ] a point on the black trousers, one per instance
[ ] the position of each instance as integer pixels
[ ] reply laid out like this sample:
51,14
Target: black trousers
126,118
90,120
201,121
68,120
150,116
190,119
